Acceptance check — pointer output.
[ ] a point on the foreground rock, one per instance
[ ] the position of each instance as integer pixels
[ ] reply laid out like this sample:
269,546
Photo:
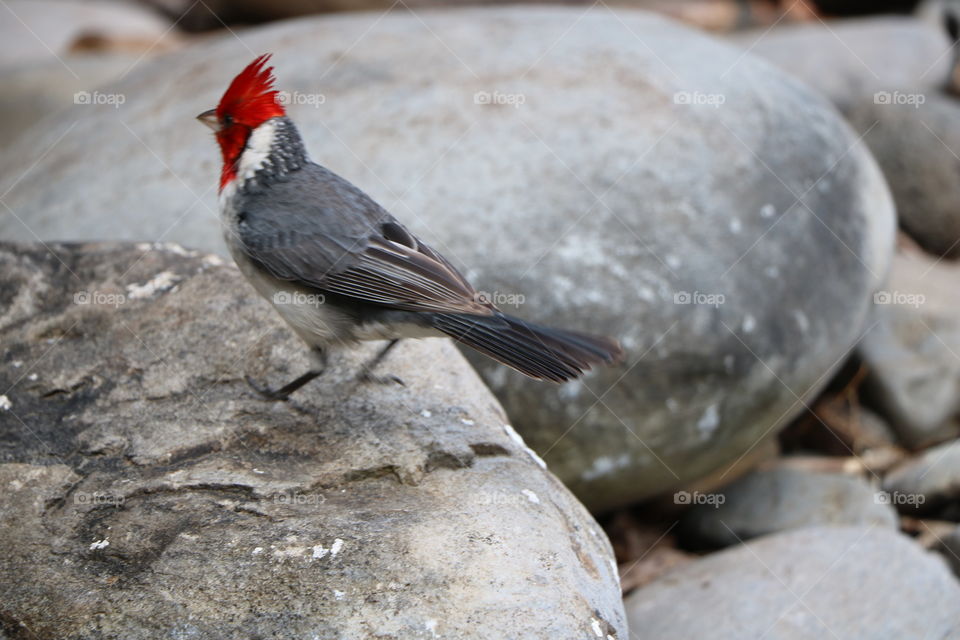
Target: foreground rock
662,202
844,582
911,348
147,492
851,60
781,499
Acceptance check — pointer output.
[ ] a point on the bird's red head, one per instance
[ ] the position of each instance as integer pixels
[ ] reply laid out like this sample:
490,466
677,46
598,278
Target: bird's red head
248,102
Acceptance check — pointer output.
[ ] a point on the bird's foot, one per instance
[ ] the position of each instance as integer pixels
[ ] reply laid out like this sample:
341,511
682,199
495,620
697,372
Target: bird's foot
366,372
275,395
368,377
283,392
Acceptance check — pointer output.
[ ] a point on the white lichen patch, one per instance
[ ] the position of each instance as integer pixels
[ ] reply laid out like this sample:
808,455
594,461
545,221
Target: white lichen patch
158,284
5,403
319,551
289,552
96,545
709,421
531,496
605,465
512,433
597,629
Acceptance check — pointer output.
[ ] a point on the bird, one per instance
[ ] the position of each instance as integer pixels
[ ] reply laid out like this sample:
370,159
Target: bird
340,269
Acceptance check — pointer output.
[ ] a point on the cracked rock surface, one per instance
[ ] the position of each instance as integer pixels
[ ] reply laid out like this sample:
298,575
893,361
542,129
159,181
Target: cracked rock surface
146,491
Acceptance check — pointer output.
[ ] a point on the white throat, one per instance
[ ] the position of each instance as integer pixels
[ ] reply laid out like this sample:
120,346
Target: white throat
255,154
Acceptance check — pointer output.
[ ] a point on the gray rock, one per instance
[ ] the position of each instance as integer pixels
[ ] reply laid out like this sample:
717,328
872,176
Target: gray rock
781,499
35,90
44,30
56,55
928,481
851,60
950,548
872,431
916,143
147,492
671,175
911,349
837,582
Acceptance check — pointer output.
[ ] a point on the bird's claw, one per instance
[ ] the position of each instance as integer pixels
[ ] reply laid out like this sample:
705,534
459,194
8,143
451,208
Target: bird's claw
266,392
370,378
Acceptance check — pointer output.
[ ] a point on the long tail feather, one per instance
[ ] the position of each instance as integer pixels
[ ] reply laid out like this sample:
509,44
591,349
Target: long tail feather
539,352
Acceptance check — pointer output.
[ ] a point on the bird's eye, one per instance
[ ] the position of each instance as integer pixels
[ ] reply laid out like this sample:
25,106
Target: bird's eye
227,120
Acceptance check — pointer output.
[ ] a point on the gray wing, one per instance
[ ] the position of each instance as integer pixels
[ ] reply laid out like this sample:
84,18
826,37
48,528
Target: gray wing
318,230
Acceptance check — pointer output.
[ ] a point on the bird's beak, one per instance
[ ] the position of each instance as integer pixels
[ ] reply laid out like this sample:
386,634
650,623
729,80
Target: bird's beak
210,119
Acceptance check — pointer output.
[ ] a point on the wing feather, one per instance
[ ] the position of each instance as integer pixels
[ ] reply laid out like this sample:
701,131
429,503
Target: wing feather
350,246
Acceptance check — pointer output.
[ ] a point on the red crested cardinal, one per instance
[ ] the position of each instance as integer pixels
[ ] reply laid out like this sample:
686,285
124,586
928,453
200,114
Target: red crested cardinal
339,268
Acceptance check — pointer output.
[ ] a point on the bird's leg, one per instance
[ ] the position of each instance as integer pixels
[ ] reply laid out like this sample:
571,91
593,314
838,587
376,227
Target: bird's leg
284,392
366,372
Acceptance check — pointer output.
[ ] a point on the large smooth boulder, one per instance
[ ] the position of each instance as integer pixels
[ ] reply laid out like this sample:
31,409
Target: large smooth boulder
843,582
607,171
37,89
146,491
